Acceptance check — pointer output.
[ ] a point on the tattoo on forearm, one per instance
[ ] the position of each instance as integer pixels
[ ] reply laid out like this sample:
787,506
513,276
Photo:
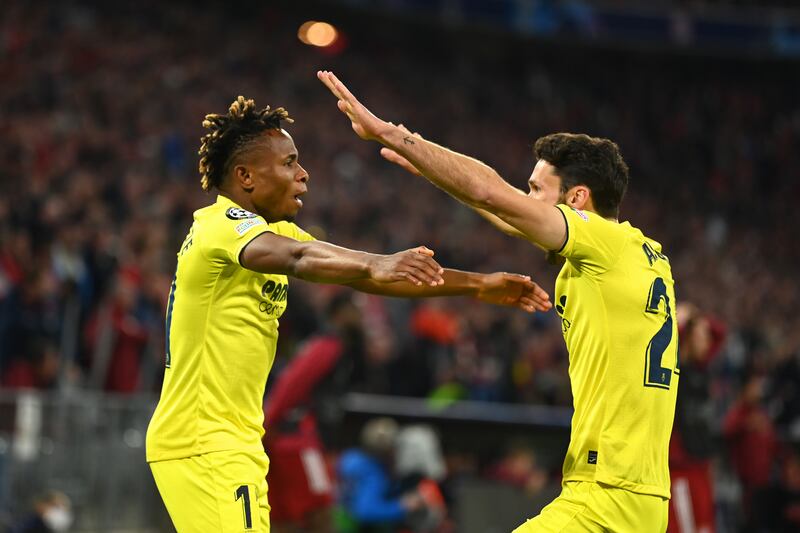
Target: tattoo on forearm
408,140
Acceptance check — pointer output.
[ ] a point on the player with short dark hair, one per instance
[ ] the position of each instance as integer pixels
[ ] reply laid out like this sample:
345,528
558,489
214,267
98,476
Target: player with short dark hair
230,287
615,296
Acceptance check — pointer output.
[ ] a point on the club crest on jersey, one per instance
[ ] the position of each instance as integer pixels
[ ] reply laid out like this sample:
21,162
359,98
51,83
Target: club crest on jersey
237,213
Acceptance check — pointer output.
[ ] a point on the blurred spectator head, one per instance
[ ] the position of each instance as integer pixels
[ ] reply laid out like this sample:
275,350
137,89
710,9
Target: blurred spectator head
520,467
791,472
378,437
55,509
418,453
753,390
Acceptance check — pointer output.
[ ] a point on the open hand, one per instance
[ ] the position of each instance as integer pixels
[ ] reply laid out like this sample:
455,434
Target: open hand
416,266
364,123
502,288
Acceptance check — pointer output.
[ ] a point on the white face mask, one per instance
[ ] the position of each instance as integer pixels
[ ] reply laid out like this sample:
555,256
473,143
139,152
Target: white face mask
58,519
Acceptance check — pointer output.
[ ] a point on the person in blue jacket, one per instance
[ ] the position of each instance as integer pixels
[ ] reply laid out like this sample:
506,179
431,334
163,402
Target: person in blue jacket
368,495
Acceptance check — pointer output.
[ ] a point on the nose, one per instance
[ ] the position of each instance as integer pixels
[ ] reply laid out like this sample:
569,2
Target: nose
302,174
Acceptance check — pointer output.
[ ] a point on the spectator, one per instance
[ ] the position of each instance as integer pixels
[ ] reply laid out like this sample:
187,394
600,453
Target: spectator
369,498
693,435
52,513
752,442
309,388
519,467
779,505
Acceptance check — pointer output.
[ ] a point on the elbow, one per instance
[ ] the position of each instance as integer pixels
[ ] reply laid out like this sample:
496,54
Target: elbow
300,264
487,193
483,198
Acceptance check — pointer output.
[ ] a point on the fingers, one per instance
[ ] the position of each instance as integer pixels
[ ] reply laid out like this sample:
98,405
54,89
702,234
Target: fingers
532,297
325,79
537,297
393,157
406,130
418,266
333,84
424,250
518,278
341,88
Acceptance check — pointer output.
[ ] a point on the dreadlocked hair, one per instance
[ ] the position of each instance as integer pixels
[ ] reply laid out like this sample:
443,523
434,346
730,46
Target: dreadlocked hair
229,134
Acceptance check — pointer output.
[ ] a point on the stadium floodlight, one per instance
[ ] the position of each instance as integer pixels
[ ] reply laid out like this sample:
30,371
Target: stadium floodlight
316,33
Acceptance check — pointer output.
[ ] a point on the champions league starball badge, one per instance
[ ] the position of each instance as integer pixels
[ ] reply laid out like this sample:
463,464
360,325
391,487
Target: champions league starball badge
237,213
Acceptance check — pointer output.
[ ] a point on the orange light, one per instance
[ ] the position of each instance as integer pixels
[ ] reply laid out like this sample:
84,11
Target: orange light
317,33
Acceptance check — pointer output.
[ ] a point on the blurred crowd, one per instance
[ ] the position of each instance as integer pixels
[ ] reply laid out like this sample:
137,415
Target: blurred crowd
100,113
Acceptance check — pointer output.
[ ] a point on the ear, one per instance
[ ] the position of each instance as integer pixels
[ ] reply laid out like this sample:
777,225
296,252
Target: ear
579,197
242,177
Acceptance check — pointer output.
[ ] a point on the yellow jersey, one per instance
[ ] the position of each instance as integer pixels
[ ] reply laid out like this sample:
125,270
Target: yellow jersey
221,335
616,299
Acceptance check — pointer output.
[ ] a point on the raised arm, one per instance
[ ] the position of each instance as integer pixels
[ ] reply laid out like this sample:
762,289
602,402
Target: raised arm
499,288
397,159
467,179
327,263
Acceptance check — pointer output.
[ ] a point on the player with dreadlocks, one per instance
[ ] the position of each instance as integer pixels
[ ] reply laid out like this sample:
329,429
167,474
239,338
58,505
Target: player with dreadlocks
230,287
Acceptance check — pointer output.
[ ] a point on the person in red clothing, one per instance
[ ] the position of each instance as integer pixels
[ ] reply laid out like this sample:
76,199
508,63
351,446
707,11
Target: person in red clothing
116,338
691,509
752,441
301,491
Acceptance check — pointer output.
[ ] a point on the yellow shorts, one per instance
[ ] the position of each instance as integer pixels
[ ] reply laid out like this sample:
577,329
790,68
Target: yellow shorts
219,491
589,507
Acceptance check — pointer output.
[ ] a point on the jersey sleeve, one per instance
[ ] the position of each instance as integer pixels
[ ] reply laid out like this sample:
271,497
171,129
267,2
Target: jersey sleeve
593,243
225,238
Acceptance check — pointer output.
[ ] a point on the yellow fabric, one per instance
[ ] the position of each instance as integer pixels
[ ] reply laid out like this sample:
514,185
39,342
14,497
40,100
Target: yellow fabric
615,295
222,492
585,507
222,331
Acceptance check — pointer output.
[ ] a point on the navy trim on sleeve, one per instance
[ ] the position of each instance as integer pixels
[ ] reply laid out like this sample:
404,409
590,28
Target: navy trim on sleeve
241,251
566,223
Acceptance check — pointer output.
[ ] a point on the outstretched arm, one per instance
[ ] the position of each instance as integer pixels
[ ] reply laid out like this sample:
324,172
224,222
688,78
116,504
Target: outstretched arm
497,222
327,263
468,180
499,288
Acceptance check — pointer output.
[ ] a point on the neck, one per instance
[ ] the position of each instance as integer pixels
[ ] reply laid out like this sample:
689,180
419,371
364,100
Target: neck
240,198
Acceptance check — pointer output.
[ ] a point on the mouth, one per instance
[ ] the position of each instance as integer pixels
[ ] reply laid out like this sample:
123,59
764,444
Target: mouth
297,199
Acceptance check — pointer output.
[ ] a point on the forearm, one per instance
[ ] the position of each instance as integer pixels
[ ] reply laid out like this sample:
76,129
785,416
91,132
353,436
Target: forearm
456,283
323,262
500,224
467,179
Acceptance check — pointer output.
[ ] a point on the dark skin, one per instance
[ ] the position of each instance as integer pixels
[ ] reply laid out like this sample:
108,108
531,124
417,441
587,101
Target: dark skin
267,179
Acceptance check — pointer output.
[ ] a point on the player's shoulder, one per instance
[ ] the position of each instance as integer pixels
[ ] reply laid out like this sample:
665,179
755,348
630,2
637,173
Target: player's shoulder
639,238
225,219
291,230
580,219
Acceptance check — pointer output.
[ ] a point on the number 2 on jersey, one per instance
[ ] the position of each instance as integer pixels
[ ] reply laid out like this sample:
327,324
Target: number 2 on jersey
656,375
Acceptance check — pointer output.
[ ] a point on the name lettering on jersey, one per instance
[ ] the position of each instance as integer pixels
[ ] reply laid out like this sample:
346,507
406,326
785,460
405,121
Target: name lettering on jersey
237,213
560,309
187,242
652,255
242,227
